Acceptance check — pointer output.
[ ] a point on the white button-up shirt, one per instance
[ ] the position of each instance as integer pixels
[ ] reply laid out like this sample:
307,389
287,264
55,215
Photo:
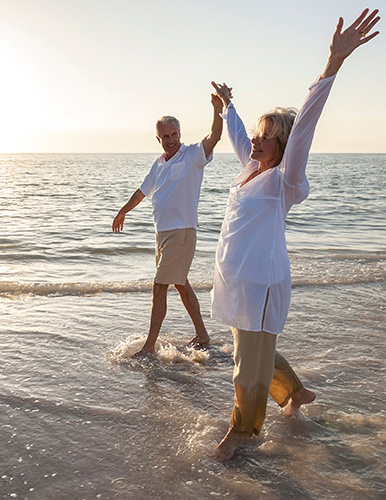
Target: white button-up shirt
174,187
252,281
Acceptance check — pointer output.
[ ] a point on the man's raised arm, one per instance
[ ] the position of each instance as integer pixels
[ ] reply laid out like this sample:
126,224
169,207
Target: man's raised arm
119,219
214,136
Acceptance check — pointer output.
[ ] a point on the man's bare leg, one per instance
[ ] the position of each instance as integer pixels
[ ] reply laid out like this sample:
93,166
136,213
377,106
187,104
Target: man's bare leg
229,445
302,397
190,301
158,313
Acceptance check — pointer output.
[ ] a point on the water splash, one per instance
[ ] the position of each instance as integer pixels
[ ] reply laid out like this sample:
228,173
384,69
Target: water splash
165,352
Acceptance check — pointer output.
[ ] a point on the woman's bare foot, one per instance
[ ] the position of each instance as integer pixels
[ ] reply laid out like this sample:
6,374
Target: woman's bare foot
302,397
200,340
228,446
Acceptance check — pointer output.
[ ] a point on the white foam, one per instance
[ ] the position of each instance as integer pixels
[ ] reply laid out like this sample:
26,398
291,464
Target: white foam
123,352
165,351
205,434
170,354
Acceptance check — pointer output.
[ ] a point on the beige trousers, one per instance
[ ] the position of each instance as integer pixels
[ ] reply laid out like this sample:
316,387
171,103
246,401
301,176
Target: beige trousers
259,370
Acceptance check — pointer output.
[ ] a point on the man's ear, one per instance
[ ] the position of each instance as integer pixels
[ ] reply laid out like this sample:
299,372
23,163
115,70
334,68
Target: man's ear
158,139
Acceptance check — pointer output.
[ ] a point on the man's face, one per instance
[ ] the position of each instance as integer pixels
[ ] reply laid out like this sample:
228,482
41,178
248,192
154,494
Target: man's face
169,137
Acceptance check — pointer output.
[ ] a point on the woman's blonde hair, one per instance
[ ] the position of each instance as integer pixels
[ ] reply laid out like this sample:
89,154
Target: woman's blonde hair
282,120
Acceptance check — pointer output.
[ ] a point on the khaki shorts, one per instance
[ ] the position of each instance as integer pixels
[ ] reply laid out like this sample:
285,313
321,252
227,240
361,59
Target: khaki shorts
174,254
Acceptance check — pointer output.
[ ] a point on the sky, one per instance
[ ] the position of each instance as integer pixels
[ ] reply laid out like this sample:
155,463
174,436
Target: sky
95,75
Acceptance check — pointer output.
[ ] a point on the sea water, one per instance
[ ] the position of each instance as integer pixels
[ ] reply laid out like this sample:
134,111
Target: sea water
81,420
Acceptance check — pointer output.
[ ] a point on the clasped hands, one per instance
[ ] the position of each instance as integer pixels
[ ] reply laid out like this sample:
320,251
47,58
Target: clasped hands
223,92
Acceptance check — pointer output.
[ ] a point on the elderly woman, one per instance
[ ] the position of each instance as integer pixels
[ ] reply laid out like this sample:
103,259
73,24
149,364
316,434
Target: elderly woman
252,283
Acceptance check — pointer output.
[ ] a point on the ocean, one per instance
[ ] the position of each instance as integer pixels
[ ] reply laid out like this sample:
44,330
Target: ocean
80,420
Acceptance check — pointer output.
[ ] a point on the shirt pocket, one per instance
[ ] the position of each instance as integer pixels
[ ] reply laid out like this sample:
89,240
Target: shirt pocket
176,170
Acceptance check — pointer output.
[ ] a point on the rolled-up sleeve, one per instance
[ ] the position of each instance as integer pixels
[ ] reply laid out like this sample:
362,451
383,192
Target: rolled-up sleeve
197,156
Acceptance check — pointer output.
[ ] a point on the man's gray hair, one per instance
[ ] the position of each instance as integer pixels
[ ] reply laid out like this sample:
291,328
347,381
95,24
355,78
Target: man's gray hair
167,119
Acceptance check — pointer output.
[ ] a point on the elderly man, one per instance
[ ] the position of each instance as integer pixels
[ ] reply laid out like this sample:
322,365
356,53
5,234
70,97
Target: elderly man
173,184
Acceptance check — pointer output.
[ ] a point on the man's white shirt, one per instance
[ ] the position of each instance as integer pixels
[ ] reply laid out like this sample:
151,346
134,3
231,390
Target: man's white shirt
174,187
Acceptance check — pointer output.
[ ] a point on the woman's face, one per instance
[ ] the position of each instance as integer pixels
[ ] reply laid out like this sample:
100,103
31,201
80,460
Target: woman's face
264,150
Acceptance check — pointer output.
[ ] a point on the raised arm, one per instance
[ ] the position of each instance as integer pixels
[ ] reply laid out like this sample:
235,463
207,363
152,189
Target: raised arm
214,135
119,219
236,130
299,142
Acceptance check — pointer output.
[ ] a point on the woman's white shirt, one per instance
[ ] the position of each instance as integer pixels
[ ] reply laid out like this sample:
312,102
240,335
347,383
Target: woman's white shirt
252,281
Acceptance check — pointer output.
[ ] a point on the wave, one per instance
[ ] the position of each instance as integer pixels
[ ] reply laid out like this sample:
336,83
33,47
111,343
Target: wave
15,288
117,250
356,280
73,288
338,254
74,253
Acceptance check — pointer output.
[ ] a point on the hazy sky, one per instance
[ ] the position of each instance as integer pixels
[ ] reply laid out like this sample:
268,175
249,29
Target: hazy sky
94,75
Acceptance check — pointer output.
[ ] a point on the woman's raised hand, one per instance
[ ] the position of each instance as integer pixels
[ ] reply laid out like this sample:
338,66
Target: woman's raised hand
344,43
224,92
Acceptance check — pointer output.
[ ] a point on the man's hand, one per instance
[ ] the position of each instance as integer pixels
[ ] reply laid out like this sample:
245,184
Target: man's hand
118,222
135,198
216,103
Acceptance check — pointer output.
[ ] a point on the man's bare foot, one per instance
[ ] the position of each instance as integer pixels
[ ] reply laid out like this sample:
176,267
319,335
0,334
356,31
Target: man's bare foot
145,351
228,446
200,340
302,397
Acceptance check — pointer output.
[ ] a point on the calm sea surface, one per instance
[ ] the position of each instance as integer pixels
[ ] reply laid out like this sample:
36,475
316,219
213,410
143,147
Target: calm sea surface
79,420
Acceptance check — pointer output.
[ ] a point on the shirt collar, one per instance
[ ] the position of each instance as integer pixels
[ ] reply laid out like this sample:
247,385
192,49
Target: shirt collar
162,160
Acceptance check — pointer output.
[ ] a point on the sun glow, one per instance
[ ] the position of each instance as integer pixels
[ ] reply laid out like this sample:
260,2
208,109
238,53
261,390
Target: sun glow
94,76
23,103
